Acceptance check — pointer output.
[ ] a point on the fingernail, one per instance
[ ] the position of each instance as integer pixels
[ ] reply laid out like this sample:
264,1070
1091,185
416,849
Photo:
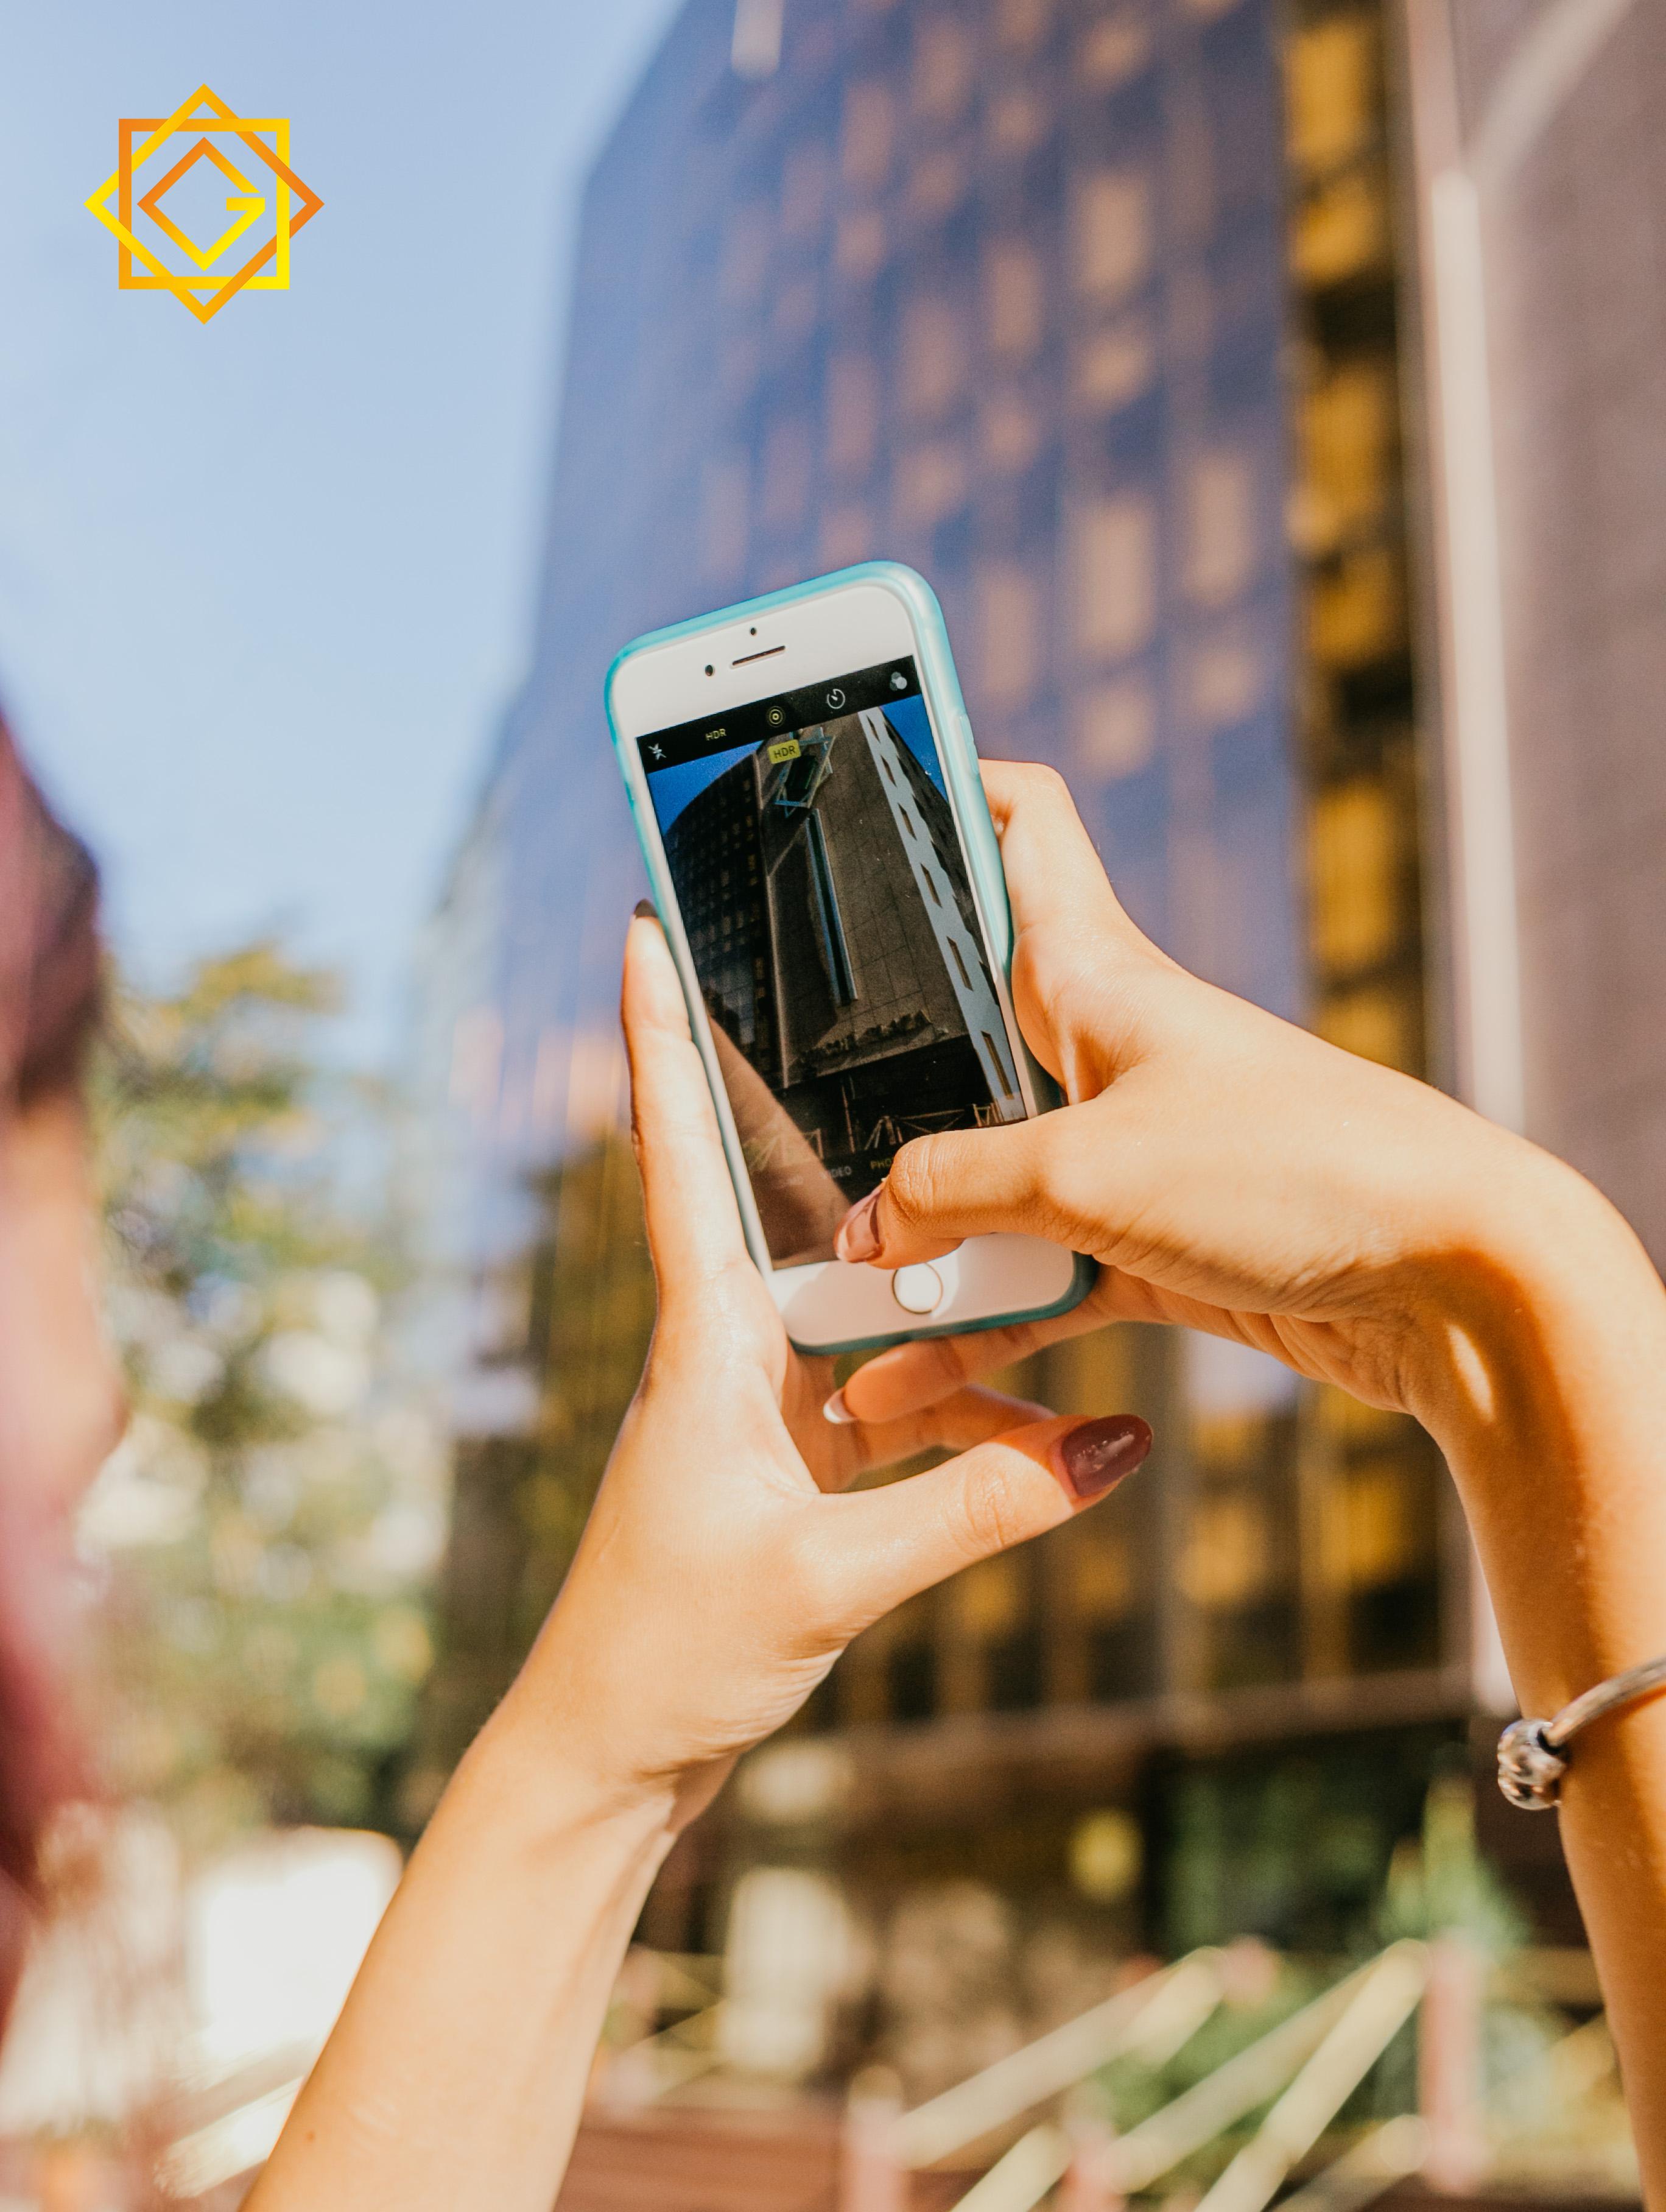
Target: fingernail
858,1238
1097,1454
836,1410
646,910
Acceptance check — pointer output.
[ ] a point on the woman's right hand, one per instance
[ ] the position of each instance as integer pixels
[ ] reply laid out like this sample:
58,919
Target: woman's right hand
1228,1170
1235,1174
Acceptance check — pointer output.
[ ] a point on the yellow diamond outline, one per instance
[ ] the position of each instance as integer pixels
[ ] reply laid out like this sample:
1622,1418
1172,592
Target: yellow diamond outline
277,279
249,208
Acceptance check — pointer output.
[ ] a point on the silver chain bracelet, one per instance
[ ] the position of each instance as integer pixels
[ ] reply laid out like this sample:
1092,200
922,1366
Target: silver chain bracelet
1533,1754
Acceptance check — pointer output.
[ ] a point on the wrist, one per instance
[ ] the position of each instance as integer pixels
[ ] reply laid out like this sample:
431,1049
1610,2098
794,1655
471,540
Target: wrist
1542,1341
1536,1289
527,1770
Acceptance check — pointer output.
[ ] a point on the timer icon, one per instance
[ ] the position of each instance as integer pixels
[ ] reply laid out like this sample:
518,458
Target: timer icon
835,699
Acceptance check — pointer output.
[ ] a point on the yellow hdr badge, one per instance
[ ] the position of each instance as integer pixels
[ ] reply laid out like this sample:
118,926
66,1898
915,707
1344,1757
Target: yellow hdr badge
245,159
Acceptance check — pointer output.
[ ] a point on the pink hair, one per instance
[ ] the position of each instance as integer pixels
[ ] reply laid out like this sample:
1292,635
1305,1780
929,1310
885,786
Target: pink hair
50,983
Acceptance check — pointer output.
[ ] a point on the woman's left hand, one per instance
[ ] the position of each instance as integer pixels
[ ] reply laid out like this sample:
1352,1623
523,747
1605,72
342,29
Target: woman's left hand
727,1563
724,1568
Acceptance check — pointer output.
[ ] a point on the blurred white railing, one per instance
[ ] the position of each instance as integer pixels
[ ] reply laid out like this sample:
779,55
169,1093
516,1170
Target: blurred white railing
1151,2020
1303,2071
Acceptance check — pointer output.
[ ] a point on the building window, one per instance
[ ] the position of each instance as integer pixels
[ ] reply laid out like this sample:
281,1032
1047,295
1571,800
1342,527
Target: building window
1221,527
1356,609
869,130
1379,1023
1015,298
1350,436
1354,875
1114,51
1113,233
1011,432
931,484
933,356
859,250
1330,77
852,412
1370,1532
1018,122
1009,623
1117,729
803,190
1115,366
942,69
1226,681
1116,576
1342,230
1022,25
938,184
795,309
1228,1558
755,48
746,255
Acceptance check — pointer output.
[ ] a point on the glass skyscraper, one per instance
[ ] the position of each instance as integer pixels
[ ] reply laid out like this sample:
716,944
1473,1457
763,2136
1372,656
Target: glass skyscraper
1089,310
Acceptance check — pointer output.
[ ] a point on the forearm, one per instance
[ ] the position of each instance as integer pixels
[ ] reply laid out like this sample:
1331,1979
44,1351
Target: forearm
455,2074
1549,1395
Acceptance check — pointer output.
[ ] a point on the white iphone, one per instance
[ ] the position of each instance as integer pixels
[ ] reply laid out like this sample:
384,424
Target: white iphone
802,774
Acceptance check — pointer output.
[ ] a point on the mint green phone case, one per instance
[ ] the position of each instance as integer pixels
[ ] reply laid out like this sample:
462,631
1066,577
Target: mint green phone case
941,687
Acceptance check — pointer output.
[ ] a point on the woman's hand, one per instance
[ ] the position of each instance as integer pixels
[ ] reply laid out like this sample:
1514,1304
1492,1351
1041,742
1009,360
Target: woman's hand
1232,1173
724,1570
720,1575
1228,1170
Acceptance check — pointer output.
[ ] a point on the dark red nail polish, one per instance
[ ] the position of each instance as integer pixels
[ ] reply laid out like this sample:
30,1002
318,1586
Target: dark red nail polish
1097,1454
646,910
857,1238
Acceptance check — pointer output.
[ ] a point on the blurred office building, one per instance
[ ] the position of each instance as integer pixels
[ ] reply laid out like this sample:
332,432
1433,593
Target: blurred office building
1160,335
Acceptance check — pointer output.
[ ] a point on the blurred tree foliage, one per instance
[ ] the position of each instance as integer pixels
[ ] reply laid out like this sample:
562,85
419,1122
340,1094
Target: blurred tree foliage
266,1525
573,1317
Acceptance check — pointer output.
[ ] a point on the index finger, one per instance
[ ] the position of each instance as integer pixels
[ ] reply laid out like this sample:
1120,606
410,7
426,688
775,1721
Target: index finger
693,1222
1053,873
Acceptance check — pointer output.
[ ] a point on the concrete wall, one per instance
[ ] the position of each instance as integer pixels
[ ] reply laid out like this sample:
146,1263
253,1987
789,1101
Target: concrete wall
1574,215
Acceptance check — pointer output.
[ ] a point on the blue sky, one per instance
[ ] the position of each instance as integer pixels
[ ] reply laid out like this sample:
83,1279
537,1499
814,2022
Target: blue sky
673,788
265,584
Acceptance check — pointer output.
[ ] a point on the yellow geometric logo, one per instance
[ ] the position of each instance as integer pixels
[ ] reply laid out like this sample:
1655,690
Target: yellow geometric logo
259,143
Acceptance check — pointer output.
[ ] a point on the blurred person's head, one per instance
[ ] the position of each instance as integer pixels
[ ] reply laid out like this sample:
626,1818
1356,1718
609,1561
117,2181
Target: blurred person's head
60,1403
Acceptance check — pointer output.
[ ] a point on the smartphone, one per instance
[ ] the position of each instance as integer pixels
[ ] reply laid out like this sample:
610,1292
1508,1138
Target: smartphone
802,777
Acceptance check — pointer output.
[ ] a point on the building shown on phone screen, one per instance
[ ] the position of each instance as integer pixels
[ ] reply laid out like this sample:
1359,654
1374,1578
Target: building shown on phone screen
1096,311
832,927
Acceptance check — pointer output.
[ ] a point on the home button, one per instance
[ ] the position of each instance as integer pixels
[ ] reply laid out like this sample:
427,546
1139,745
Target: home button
917,1289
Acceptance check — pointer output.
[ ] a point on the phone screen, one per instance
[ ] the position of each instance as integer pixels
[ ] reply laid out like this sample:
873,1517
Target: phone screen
829,912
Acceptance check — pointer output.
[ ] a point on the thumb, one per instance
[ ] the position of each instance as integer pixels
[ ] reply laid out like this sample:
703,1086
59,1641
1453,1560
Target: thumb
967,1182
898,1540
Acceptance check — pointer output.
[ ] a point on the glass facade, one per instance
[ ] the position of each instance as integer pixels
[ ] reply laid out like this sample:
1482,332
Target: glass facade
997,291
1087,308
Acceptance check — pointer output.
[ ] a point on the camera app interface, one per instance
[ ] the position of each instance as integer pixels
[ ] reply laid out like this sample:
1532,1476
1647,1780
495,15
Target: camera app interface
830,917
